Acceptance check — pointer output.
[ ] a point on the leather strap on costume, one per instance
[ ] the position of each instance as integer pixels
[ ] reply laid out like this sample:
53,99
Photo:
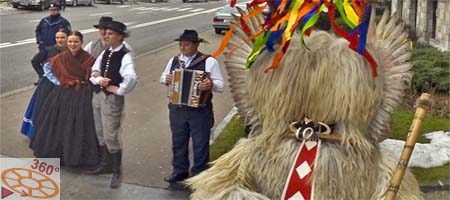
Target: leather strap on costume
299,184
193,63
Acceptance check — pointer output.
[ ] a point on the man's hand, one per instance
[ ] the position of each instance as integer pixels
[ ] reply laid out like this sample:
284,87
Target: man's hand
104,82
168,79
112,89
205,85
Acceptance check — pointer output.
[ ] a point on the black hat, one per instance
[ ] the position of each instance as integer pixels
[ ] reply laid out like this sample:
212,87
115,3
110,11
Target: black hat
103,21
190,35
118,27
53,7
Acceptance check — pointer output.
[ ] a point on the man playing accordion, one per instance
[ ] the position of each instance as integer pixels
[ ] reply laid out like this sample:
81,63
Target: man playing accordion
191,121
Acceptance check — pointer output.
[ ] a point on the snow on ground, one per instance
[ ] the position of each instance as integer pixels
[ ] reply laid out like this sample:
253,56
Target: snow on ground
433,154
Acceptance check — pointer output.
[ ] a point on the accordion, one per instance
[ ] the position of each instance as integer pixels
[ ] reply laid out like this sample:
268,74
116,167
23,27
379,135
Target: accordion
184,88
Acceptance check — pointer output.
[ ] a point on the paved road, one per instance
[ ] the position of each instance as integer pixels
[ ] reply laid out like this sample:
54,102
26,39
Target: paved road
152,25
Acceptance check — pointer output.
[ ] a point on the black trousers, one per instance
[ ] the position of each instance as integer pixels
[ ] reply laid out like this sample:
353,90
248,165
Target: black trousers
186,123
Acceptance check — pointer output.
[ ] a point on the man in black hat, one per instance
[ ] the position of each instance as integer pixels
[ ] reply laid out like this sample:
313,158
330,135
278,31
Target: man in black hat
97,46
113,75
186,122
48,26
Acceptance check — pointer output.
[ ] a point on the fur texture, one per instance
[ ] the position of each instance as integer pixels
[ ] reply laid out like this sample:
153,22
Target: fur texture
329,83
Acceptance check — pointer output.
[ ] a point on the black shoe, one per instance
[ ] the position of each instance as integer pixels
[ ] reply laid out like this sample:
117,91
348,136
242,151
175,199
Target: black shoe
176,177
105,165
117,174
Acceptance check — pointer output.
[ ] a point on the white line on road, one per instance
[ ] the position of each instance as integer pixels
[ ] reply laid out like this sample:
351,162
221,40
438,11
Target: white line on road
6,43
124,6
138,8
88,30
150,8
196,10
170,9
97,14
34,21
33,40
184,9
27,40
173,18
140,13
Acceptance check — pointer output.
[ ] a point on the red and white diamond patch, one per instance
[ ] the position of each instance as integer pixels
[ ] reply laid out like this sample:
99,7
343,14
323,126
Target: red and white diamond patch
299,184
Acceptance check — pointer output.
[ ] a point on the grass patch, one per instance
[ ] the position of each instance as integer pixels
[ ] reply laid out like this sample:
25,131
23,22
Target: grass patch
431,174
226,140
401,121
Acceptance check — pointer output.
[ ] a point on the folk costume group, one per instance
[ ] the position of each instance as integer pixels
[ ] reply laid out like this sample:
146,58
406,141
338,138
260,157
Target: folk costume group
77,109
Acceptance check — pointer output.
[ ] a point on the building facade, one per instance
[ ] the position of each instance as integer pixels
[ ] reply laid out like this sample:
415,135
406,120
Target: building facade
428,19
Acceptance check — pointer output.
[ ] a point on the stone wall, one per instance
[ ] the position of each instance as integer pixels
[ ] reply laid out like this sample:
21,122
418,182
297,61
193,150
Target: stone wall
418,14
442,38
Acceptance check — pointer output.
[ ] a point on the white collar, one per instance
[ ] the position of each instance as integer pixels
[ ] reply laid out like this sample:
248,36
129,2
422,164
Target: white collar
186,58
117,48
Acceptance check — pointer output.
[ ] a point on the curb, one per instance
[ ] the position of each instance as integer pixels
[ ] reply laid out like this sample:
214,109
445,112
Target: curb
437,186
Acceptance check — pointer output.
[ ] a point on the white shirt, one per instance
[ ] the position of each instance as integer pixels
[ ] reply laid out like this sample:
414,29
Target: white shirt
211,66
126,71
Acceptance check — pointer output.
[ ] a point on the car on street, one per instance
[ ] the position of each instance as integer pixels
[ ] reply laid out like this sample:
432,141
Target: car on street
221,21
184,1
79,2
108,1
35,4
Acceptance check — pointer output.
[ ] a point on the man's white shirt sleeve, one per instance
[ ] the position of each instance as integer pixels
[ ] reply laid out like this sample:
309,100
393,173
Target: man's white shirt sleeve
87,48
96,68
127,71
166,71
212,66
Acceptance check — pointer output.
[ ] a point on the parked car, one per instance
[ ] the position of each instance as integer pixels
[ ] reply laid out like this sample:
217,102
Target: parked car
108,1
35,4
184,1
221,21
79,2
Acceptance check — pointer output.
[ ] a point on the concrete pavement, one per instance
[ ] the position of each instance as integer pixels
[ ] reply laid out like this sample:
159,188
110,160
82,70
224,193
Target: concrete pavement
146,135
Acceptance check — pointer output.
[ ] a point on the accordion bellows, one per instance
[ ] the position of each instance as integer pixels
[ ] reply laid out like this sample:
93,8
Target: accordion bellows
184,88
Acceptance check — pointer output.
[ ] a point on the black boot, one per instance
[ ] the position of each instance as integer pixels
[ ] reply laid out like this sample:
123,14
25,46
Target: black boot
117,175
104,167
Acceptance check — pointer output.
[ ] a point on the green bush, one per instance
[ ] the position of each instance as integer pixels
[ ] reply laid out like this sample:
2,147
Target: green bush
431,69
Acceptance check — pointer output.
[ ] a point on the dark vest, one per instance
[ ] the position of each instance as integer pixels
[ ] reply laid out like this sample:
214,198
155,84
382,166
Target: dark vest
201,66
110,67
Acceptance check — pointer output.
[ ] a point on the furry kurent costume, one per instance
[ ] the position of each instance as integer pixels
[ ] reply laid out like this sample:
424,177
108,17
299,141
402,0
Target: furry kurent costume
327,82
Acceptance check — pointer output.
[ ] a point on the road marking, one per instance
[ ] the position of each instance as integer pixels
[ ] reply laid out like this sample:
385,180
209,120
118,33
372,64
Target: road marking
150,8
6,43
184,9
124,6
88,30
170,9
33,40
34,21
27,40
173,18
140,13
106,13
196,10
138,8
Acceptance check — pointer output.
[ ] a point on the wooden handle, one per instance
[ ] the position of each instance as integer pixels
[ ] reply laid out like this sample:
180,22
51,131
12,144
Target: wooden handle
422,105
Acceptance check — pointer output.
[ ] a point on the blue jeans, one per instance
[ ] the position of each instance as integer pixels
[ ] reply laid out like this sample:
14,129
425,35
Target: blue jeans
186,122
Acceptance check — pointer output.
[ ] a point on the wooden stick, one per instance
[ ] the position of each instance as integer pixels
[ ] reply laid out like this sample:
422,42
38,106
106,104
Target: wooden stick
422,104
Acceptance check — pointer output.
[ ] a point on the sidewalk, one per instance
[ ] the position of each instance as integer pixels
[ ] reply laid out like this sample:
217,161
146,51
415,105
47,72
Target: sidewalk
146,135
